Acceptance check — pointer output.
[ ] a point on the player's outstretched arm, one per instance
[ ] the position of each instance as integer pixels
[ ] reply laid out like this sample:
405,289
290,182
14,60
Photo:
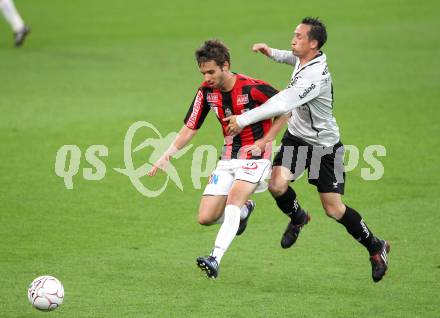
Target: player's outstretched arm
280,56
183,137
262,48
282,103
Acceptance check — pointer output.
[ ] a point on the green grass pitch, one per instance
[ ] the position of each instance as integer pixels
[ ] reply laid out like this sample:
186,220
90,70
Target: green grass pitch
92,68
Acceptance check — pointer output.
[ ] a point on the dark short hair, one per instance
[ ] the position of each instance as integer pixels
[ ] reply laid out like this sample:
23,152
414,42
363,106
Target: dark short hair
213,50
317,30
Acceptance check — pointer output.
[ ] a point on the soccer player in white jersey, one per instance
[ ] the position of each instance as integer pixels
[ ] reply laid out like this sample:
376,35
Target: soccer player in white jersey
311,142
11,15
244,163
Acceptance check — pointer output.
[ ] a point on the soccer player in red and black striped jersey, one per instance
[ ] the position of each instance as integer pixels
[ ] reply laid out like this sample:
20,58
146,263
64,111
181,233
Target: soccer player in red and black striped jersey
246,94
245,159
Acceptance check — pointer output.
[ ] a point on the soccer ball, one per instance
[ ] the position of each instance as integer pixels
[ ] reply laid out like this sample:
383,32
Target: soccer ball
46,293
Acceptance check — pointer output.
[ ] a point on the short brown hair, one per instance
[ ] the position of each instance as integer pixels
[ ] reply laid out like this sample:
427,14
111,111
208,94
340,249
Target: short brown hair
213,50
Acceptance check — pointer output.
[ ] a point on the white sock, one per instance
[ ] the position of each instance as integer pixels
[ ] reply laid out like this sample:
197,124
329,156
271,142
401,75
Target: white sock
11,15
243,214
227,231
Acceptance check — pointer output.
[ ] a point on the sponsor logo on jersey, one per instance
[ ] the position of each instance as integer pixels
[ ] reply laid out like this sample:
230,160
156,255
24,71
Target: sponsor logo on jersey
307,91
250,166
325,72
212,98
242,99
293,81
196,109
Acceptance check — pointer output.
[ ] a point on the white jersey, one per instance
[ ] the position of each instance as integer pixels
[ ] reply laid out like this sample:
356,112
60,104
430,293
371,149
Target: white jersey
309,96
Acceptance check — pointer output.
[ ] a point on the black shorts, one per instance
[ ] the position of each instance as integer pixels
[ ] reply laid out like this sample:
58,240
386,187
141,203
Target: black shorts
324,165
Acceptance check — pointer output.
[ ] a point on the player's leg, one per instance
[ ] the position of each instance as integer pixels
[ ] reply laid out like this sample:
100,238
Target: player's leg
212,205
248,174
211,209
11,15
256,172
330,192
13,18
239,194
286,200
351,219
358,229
289,164
284,195
216,192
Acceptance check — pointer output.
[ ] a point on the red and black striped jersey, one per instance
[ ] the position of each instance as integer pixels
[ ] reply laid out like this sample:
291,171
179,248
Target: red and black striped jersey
246,94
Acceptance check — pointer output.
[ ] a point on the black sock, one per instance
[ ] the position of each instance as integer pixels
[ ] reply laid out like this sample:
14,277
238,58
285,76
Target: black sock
356,226
288,203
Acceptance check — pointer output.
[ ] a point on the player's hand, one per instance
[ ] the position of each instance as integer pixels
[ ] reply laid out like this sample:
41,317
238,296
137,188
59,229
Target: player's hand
161,164
233,128
263,48
257,148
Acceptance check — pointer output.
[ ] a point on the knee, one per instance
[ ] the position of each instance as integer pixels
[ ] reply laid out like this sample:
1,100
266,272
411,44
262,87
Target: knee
277,188
203,219
334,211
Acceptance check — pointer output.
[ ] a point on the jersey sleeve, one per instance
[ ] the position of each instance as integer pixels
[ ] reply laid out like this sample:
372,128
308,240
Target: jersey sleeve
197,112
299,94
261,93
283,56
